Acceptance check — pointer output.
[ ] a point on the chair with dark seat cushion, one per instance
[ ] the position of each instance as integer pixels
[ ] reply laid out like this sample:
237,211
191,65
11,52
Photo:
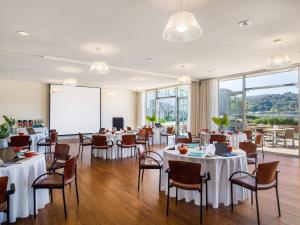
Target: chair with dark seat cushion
265,179
128,141
22,141
250,149
47,142
186,176
60,155
53,180
149,160
99,142
220,138
5,196
143,138
170,132
84,141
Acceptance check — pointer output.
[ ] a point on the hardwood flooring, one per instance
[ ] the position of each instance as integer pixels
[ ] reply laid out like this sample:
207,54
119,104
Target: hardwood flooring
108,196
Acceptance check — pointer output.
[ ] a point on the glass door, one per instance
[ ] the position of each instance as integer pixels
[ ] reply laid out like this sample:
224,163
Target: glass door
182,121
166,111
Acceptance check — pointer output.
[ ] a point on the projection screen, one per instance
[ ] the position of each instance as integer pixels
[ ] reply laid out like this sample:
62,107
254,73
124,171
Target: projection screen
75,109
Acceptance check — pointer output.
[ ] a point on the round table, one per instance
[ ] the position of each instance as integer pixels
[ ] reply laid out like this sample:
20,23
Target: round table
220,169
23,175
112,152
234,139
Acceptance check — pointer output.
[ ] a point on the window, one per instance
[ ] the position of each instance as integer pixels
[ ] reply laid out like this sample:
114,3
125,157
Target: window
170,105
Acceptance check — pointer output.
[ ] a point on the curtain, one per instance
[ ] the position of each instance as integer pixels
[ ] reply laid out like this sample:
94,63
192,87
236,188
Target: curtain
203,104
141,108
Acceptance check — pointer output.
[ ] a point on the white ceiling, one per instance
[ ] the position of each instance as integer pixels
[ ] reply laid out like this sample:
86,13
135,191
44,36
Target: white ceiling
129,31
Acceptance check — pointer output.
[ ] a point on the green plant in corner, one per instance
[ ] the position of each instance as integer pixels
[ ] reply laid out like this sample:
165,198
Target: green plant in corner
151,119
222,121
10,121
4,130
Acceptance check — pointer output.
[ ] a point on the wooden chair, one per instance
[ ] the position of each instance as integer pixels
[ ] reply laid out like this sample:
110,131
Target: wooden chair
22,142
102,129
193,138
186,176
260,143
170,132
289,134
53,180
5,196
248,134
100,143
266,178
220,138
128,128
128,141
60,155
150,132
250,149
143,138
149,160
183,140
83,142
47,142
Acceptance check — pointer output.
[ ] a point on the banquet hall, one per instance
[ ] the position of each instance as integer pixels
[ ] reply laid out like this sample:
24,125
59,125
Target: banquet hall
149,112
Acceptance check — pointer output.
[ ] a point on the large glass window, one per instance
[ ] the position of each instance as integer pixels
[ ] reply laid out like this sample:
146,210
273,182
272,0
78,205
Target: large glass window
170,105
267,104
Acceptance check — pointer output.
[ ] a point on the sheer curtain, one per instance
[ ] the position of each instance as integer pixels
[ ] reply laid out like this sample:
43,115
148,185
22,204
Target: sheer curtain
203,104
141,108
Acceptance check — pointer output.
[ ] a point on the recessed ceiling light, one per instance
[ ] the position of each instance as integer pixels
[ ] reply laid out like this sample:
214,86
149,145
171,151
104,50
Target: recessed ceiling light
23,33
149,59
277,41
208,71
244,23
16,77
70,82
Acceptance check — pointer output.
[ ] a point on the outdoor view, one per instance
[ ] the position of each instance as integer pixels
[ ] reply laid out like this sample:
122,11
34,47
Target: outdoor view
170,105
270,105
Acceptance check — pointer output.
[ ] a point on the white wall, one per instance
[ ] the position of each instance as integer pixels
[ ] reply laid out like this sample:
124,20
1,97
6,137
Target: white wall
122,103
24,100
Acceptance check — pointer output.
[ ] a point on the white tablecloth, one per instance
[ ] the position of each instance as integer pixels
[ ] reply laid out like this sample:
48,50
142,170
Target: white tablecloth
23,175
220,169
112,152
156,137
234,139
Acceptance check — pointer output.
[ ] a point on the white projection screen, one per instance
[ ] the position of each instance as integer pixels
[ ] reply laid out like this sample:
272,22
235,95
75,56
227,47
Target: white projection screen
74,109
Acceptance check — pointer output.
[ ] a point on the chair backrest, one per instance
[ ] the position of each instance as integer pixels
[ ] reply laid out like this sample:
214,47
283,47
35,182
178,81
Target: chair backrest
128,139
217,138
61,151
80,138
185,172
259,130
52,131
128,128
102,129
258,139
141,152
266,172
99,140
190,135
20,141
142,132
70,168
248,134
289,133
3,188
170,130
248,147
149,130
183,140
54,137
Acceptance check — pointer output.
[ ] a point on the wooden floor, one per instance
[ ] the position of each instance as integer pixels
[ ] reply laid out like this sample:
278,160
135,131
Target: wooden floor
108,195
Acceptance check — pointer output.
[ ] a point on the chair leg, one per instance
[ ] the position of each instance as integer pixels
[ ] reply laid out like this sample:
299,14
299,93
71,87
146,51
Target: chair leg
159,183
257,208
77,195
168,199
231,190
278,204
64,199
106,157
139,179
143,175
51,195
34,204
91,154
7,210
81,152
121,154
262,150
176,195
206,196
201,211
251,197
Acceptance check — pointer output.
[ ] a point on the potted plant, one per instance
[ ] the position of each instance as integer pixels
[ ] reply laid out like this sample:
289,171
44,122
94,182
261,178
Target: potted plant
222,122
10,122
151,119
4,133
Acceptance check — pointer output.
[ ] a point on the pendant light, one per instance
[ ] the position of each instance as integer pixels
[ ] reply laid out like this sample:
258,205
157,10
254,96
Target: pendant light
182,26
99,67
184,79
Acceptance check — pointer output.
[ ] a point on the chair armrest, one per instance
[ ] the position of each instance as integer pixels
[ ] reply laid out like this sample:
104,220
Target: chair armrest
46,138
148,157
87,138
167,170
147,152
47,173
241,172
11,190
